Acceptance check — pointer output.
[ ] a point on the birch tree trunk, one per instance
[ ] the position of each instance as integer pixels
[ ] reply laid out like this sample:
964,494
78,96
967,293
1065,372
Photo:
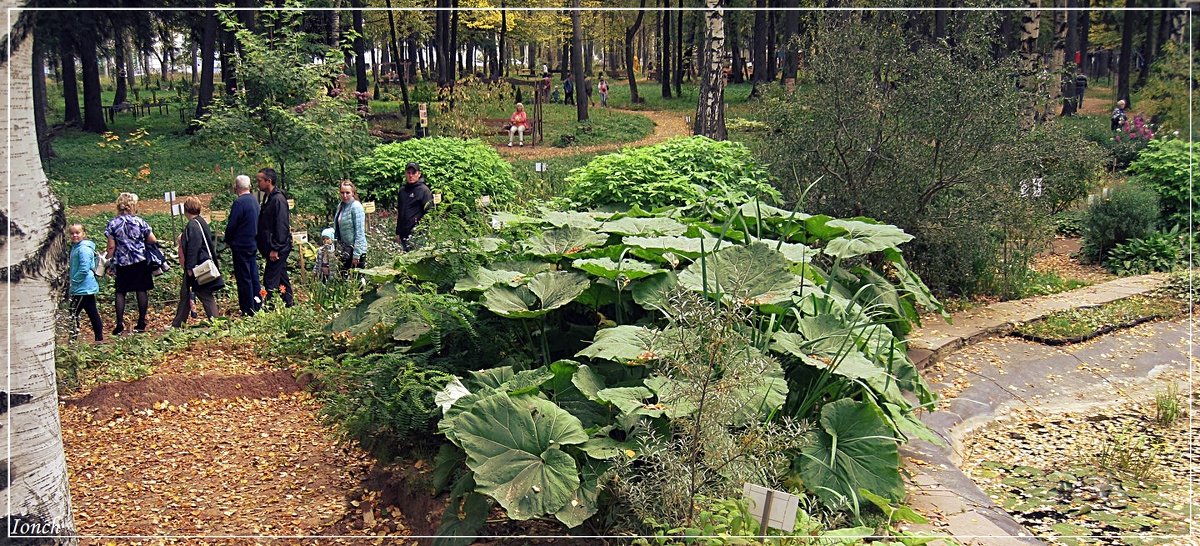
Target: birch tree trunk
710,112
37,478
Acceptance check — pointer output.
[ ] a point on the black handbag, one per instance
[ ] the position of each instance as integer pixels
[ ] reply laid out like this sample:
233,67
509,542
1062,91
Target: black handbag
156,260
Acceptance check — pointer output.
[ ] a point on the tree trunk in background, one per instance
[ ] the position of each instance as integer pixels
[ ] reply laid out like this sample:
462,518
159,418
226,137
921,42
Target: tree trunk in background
581,103
772,40
208,45
36,497
710,112
452,53
679,51
1164,26
121,95
1148,48
360,53
735,50
758,48
502,48
1085,26
38,65
630,33
1069,103
1055,62
228,77
939,21
664,58
70,84
335,25
93,107
791,30
1124,63
1031,61
441,39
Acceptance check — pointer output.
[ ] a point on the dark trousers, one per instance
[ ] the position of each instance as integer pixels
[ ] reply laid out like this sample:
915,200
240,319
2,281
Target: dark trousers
205,295
346,267
275,275
245,271
87,303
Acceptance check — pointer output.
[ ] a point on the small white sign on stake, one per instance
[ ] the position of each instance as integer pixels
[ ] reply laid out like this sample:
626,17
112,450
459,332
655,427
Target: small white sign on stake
780,507
539,167
369,207
168,197
300,237
177,209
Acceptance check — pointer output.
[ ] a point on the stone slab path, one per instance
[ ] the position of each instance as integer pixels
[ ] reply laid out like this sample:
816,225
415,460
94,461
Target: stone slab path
981,384
937,339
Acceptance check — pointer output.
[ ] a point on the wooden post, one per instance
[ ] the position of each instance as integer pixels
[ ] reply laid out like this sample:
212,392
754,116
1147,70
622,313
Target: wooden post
766,517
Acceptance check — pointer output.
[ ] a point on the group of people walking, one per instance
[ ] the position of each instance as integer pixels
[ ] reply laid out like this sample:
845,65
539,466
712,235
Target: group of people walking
254,229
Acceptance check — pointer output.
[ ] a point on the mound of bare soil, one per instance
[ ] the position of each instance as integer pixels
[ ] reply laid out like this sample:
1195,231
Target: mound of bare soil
122,398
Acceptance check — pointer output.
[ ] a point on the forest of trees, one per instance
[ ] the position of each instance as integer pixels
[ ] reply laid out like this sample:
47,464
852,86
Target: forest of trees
188,52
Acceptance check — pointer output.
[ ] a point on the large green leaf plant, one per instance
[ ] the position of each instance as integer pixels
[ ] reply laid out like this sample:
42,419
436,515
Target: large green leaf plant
816,309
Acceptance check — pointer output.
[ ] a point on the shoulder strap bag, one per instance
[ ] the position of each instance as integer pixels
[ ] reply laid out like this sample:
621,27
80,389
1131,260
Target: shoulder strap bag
207,271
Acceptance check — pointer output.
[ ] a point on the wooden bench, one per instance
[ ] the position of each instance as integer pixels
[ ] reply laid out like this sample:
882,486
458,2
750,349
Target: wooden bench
499,126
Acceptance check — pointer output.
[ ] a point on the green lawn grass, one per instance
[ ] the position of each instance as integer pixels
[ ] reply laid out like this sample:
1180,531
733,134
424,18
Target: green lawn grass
166,159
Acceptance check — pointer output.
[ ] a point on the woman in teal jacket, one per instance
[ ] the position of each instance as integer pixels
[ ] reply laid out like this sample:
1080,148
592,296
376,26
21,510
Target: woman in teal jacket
84,286
350,228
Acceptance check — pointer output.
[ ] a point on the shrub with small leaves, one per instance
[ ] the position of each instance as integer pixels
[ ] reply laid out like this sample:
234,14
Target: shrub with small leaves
1130,212
461,170
1157,252
1168,406
1164,167
678,172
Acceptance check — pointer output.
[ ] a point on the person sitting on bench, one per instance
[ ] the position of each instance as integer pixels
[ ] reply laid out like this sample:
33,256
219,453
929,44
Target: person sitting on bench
518,121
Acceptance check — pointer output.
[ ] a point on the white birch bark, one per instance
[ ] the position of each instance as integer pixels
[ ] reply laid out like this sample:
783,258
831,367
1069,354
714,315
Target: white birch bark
710,112
36,500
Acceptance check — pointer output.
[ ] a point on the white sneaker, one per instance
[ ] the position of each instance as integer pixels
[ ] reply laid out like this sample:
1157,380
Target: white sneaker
510,145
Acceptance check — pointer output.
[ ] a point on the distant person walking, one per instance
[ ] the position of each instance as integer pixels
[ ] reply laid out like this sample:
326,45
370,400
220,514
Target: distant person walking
128,234
350,228
603,92
568,89
413,201
195,247
240,231
587,90
274,238
84,285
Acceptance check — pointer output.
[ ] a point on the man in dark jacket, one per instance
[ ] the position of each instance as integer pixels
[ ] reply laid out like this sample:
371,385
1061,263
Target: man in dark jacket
413,201
240,231
274,237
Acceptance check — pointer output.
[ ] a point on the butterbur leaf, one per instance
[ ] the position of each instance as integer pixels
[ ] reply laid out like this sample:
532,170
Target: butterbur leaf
513,447
630,400
544,293
645,227
862,238
581,220
562,242
653,291
482,278
750,275
625,343
610,269
853,449
683,246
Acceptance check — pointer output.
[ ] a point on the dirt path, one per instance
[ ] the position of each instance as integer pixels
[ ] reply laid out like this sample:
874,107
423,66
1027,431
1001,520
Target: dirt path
666,125
146,205
1096,107
216,442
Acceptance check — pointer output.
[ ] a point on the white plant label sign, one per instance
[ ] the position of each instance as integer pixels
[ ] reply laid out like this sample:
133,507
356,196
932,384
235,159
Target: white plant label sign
783,506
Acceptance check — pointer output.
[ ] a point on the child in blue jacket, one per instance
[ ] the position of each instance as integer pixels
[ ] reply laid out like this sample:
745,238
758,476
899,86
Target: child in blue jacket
84,286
